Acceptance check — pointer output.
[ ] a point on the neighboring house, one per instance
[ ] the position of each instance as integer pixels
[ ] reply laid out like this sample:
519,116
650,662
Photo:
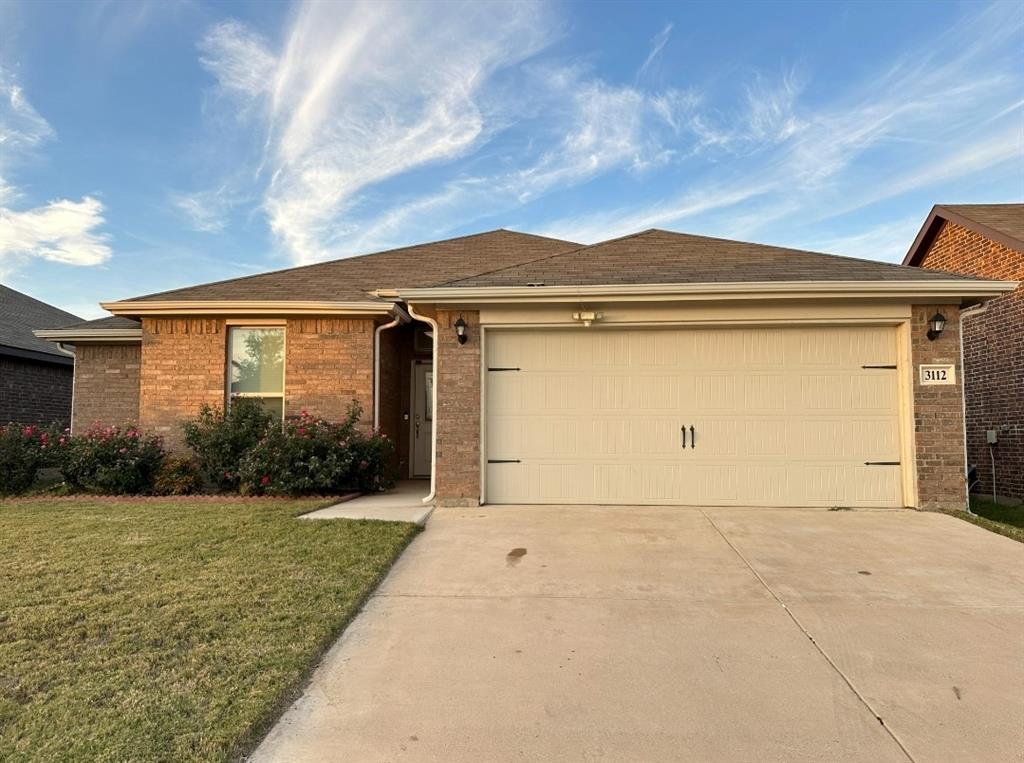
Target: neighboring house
987,241
35,375
654,368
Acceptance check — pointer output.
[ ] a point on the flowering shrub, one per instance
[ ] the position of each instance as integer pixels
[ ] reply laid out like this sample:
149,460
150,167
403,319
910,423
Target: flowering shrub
178,475
111,460
23,450
312,456
219,439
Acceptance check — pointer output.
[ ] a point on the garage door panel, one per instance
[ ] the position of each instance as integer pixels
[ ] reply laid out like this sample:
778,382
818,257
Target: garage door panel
782,416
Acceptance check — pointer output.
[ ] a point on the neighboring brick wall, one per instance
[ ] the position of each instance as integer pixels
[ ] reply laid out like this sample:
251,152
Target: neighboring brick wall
106,384
938,413
993,354
457,419
328,364
183,366
34,392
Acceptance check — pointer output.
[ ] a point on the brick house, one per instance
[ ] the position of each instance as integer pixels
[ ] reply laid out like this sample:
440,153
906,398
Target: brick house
986,241
35,375
657,368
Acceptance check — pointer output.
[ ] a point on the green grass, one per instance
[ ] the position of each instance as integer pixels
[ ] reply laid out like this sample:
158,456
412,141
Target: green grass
172,630
997,517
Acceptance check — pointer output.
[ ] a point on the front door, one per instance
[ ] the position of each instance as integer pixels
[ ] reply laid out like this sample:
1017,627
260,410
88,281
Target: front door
422,417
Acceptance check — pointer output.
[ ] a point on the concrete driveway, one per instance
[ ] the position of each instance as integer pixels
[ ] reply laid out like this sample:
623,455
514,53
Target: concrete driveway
666,634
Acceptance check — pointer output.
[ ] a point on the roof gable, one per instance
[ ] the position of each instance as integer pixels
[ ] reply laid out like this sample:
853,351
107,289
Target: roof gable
351,279
1002,223
21,314
664,257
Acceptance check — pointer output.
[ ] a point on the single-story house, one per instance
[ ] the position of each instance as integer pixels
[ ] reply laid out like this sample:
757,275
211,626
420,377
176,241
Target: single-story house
986,241
656,368
35,375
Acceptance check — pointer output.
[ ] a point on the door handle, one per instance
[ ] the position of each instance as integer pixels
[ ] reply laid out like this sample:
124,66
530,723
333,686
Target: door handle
693,437
682,436
417,430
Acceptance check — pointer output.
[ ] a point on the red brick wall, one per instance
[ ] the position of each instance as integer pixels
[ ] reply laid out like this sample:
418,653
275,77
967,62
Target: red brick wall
106,384
183,367
328,364
34,392
938,413
457,419
993,354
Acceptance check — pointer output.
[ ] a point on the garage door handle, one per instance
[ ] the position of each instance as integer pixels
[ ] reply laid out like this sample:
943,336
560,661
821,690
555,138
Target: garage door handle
682,436
693,437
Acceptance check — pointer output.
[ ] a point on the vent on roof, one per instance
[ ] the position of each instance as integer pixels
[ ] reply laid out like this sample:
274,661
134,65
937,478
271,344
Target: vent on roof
535,283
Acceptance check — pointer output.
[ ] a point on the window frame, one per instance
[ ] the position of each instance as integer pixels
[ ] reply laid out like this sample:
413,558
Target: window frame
230,326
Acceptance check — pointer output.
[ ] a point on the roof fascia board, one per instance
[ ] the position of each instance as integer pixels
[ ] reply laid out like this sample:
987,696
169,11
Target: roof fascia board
79,336
245,307
687,291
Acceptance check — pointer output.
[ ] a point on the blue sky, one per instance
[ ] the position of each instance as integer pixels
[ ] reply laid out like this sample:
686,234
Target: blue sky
150,145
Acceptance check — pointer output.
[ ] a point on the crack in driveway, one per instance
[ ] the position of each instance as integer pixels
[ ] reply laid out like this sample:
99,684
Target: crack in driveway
810,637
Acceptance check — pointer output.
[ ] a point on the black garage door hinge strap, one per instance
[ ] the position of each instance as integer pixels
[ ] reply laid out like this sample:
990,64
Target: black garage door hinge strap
881,463
503,461
892,367
503,369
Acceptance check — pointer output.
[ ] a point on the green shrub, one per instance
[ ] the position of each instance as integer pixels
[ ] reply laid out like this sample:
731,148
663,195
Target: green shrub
310,456
178,475
219,440
23,451
111,460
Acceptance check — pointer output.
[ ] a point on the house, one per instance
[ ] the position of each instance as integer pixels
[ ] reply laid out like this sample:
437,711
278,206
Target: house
35,375
511,368
986,241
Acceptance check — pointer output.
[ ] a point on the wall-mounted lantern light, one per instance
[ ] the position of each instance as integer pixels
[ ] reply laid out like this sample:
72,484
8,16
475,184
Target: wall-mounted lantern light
935,325
460,330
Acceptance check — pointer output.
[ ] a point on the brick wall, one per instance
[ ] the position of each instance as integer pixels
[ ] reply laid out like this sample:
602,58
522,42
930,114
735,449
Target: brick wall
106,384
457,419
328,364
938,413
993,354
33,392
183,366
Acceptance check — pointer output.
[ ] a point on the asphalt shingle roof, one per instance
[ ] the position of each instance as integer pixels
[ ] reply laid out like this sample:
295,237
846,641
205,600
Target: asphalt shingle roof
659,256
110,322
350,279
21,314
1007,219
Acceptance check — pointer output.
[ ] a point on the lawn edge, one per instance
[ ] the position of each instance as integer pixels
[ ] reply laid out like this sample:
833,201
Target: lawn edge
1007,531
258,731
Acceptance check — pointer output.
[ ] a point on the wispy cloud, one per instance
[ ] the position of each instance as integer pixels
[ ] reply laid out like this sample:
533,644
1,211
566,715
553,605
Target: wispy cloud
62,231
657,45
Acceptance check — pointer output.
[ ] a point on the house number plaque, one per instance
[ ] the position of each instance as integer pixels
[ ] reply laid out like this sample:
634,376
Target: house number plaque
937,374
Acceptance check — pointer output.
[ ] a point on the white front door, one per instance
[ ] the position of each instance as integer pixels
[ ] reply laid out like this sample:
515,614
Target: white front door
422,417
705,416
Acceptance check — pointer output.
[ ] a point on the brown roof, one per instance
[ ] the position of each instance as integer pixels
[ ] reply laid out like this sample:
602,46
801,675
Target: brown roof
350,280
659,256
1003,223
112,322
20,315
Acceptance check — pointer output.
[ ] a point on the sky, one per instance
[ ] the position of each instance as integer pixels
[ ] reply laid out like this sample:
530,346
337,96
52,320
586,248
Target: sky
150,145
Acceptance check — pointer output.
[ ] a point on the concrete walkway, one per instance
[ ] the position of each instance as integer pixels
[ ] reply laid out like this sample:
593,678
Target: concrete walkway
661,634
403,504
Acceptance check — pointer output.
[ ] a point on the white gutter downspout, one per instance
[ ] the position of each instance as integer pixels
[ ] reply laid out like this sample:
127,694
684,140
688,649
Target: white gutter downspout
433,401
400,318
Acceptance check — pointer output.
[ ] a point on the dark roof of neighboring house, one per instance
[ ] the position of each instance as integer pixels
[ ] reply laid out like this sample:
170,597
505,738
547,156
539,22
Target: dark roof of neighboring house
20,315
659,256
351,279
1003,223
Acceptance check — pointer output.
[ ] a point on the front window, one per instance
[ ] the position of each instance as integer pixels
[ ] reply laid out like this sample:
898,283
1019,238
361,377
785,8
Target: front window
256,370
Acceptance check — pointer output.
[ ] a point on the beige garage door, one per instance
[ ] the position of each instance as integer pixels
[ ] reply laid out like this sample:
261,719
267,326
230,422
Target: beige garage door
745,416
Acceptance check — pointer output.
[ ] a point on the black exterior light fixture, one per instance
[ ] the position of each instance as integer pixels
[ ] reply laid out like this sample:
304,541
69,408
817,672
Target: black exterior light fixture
935,326
460,330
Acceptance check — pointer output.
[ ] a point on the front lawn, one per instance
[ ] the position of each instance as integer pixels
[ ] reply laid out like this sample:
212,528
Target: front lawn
172,629
997,517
